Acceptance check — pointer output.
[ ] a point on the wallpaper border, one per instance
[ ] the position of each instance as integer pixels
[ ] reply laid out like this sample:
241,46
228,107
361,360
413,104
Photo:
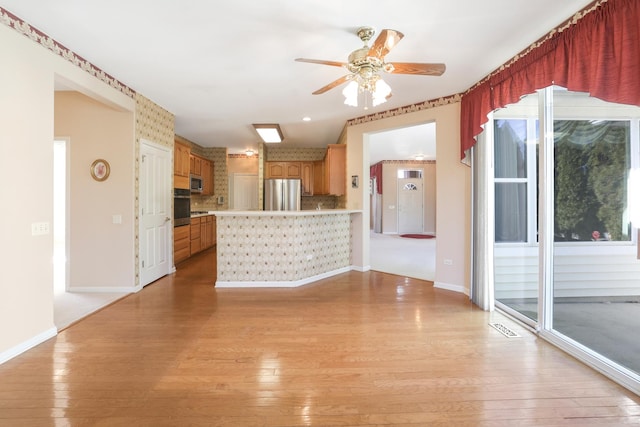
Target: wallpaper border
412,108
12,21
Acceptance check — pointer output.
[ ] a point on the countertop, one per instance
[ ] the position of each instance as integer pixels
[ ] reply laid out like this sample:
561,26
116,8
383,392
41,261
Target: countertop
199,214
306,212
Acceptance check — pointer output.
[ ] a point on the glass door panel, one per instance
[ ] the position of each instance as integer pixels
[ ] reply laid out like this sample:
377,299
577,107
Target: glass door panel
515,131
596,271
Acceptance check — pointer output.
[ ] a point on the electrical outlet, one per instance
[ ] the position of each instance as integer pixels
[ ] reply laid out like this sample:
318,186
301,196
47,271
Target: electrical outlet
39,228
448,262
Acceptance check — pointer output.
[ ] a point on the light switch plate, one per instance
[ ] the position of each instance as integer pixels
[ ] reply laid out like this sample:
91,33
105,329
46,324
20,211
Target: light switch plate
39,228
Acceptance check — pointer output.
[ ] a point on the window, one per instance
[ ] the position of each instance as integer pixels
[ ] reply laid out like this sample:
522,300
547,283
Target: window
593,160
592,168
515,152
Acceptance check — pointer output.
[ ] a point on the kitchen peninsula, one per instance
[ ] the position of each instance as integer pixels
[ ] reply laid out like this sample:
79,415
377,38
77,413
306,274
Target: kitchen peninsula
282,248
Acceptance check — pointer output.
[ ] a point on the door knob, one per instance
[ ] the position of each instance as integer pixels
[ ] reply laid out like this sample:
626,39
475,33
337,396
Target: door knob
167,219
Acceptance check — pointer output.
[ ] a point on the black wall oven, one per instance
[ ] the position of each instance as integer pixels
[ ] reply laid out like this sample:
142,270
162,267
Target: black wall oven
181,207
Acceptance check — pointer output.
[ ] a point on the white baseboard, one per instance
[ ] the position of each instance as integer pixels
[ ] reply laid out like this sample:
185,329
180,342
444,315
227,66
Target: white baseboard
282,284
27,345
105,289
449,287
360,269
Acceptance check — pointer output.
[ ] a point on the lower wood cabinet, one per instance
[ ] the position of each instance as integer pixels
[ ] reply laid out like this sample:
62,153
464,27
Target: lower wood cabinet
190,239
208,231
181,243
196,234
203,233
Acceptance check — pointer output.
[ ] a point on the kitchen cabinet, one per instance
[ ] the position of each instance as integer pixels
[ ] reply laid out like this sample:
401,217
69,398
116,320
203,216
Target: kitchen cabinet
203,168
318,178
283,170
206,167
203,233
306,178
208,230
181,165
196,236
195,165
181,243
335,164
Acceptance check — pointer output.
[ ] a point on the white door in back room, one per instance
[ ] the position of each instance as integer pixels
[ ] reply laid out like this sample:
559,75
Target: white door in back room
410,202
155,212
244,192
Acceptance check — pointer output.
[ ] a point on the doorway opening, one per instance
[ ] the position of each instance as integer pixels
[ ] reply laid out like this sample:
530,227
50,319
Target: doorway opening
60,217
402,200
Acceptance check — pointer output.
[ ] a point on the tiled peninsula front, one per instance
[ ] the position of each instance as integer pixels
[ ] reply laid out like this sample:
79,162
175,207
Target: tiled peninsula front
282,248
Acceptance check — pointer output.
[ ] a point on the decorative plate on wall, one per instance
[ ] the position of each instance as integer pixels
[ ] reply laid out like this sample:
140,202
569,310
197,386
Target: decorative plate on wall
100,170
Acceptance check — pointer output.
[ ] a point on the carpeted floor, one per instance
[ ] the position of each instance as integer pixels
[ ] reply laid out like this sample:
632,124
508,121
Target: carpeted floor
416,258
69,307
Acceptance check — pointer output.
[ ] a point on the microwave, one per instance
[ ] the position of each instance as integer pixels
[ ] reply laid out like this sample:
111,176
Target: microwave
196,184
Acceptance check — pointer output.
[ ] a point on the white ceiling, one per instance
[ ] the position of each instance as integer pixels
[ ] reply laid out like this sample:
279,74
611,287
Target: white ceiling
221,66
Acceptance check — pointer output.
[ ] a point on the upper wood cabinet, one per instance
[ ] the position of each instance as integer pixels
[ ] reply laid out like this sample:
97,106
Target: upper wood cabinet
195,165
318,178
206,171
181,155
307,178
335,164
283,170
322,177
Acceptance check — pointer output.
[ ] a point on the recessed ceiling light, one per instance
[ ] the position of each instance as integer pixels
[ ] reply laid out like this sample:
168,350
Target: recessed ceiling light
306,119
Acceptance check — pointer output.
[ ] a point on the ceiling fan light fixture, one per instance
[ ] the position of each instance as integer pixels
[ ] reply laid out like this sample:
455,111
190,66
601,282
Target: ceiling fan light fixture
350,93
269,133
381,93
379,89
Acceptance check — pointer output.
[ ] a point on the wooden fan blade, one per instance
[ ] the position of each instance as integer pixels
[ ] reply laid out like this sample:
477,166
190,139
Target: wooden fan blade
334,84
418,68
385,42
323,62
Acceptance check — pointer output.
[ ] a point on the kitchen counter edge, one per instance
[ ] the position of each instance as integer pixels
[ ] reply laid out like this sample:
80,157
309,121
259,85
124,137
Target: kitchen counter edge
308,212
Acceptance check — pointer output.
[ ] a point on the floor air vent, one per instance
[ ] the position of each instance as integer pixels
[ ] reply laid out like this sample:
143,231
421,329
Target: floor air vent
504,330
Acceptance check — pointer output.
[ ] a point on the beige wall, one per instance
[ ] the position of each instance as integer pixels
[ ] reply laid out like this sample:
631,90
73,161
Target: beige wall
242,164
453,191
101,252
27,77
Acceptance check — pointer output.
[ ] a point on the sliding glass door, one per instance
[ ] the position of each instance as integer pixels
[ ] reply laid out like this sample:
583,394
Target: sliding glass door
565,211
596,271
515,176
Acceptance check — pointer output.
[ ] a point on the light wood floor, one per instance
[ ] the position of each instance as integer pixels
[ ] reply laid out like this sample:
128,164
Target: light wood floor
359,349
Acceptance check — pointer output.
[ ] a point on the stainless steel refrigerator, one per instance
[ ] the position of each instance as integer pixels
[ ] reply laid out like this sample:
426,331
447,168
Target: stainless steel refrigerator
282,194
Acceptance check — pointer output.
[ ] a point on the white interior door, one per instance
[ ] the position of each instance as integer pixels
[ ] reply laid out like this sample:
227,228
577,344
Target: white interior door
245,192
155,212
410,205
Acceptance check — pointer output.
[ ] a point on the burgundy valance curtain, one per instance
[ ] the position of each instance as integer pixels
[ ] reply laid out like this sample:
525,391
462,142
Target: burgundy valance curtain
599,54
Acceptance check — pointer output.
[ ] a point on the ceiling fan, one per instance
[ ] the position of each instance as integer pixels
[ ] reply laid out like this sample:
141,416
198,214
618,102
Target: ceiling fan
366,63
